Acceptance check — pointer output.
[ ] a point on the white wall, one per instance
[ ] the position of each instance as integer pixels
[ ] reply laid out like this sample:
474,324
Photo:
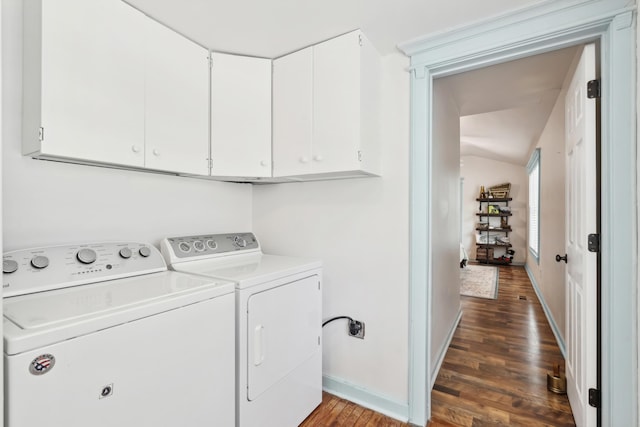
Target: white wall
549,274
48,203
445,199
359,228
478,171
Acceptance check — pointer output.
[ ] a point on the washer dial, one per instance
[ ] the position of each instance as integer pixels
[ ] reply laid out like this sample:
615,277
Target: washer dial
184,247
144,251
125,253
86,256
212,244
40,261
9,266
240,241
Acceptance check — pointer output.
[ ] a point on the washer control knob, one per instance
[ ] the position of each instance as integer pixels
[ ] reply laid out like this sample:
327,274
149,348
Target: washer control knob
40,261
144,251
240,241
125,253
9,266
212,244
184,247
86,256
198,245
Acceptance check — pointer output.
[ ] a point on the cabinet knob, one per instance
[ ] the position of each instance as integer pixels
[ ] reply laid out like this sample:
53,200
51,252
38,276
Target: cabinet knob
156,152
304,159
318,158
264,163
135,148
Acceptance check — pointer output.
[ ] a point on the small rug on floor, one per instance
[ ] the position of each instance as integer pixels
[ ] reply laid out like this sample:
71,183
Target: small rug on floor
480,281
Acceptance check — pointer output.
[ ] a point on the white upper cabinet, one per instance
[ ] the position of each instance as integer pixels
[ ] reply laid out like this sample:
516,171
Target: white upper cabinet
326,110
84,81
292,113
104,83
176,102
240,116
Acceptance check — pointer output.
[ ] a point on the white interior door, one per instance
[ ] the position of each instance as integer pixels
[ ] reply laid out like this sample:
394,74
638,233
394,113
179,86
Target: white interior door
581,363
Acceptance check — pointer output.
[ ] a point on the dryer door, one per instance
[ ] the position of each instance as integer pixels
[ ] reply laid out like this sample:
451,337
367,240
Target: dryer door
284,326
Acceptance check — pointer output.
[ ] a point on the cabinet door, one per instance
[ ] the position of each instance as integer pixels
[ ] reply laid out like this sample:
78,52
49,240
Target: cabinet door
240,116
92,73
177,102
292,113
336,104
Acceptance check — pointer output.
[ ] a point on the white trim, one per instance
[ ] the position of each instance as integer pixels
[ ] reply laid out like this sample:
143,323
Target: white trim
541,28
364,397
420,253
445,348
547,313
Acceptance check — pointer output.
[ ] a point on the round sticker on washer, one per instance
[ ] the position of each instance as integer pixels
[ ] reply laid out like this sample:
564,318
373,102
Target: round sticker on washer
42,364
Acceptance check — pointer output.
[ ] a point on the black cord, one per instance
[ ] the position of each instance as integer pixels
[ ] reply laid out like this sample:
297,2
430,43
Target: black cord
336,318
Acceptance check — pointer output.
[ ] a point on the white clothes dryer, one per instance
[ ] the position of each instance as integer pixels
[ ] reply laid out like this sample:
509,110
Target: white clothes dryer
278,323
103,335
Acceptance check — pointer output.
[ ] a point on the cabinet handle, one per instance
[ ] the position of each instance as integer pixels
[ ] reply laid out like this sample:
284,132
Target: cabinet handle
135,148
304,159
156,153
318,158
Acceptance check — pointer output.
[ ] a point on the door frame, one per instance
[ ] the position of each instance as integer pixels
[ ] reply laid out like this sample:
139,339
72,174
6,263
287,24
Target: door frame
541,28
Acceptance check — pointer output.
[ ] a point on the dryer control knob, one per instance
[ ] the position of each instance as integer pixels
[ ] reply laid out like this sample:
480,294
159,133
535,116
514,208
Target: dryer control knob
240,241
40,261
184,247
198,245
144,251
212,244
125,253
86,256
9,266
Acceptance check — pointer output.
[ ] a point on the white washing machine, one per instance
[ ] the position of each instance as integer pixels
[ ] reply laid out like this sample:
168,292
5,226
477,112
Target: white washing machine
103,335
278,323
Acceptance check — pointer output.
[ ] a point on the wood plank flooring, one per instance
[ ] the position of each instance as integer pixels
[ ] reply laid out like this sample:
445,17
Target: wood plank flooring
494,373
334,411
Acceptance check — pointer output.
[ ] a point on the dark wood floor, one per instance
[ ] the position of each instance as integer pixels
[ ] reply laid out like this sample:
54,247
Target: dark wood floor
494,373
334,411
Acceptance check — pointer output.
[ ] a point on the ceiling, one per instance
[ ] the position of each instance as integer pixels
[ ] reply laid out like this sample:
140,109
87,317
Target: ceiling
272,28
504,108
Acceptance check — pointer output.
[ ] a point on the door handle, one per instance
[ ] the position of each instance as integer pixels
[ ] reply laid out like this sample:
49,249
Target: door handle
258,345
561,258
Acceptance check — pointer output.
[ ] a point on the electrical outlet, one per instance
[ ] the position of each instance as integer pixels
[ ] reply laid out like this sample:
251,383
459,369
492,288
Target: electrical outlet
356,329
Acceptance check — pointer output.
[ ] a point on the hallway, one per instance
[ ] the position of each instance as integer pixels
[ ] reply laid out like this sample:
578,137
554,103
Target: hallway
495,370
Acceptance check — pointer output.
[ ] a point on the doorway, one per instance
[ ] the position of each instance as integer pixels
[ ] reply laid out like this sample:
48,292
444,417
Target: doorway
537,30
509,114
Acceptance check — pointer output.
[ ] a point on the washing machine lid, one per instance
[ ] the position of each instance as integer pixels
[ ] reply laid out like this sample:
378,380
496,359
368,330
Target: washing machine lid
35,320
250,269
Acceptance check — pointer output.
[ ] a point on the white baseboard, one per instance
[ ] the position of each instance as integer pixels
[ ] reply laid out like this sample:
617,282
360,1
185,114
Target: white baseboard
443,351
547,313
367,398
